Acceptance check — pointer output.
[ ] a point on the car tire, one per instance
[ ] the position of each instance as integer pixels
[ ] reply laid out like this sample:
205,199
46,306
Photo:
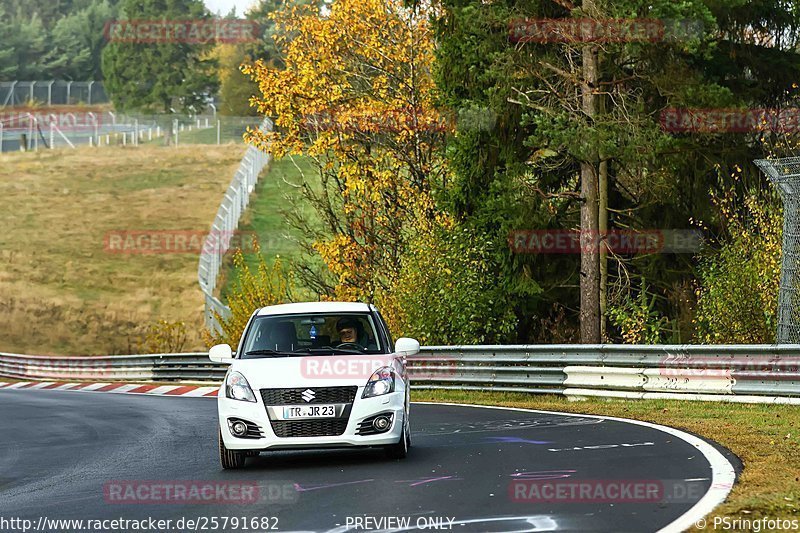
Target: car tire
230,459
400,450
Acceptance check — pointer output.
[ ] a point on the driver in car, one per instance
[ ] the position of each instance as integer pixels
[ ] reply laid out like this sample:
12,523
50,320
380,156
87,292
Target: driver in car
349,330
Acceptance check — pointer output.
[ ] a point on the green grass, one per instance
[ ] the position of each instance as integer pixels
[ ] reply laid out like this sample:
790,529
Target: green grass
276,194
231,131
765,437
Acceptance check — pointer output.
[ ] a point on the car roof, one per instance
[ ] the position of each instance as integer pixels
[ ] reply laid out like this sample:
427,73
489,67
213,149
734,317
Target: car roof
315,307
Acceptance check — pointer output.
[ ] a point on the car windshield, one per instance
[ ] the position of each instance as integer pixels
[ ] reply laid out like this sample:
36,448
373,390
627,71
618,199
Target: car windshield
312,334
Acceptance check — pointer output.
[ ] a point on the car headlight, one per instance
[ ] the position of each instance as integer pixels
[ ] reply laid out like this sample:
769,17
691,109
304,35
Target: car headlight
381,382
237,388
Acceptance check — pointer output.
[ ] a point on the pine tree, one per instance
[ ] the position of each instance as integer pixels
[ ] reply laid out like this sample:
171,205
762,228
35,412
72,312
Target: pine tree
164,75
523,173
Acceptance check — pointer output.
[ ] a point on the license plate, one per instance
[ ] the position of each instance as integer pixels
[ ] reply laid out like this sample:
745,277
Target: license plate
309,411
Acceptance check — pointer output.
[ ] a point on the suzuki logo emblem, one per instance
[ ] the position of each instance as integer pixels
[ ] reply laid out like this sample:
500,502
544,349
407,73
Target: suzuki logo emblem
308,395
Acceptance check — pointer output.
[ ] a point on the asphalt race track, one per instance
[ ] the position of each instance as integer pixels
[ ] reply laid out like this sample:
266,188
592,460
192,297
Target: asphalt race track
61,451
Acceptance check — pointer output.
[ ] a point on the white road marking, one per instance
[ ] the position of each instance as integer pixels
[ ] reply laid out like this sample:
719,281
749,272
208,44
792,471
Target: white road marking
162,389
723,475
95,386
200,391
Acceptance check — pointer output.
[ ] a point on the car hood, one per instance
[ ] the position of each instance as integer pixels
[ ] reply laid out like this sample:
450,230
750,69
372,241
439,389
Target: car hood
312,370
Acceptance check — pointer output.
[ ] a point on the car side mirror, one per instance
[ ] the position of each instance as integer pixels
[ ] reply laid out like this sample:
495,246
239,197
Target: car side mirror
221,353
406,347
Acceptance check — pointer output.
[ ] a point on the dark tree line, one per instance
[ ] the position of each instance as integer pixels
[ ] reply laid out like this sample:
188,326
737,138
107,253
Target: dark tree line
61,40
572,114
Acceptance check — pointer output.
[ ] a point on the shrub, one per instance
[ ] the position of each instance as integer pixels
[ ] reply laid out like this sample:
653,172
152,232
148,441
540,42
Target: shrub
448,290
164,337
265,285
738,285
638,318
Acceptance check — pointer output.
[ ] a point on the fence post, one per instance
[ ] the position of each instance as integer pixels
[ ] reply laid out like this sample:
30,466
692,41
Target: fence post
30,132
218,132
785,174
10,96
52,134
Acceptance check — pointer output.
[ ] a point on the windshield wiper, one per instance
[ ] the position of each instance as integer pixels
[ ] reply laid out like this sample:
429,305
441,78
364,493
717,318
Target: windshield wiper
329,350
273,353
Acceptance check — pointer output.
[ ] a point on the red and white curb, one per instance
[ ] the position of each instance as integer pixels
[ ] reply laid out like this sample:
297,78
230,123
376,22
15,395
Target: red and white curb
195,391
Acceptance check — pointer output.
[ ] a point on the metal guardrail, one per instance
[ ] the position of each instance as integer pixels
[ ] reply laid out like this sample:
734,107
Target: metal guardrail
748,373
218,240
185,367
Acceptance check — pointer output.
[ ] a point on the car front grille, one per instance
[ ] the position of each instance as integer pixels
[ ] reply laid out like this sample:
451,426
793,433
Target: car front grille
321,395
328,427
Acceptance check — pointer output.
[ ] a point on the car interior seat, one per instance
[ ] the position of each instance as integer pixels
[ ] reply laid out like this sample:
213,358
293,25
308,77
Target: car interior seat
284,337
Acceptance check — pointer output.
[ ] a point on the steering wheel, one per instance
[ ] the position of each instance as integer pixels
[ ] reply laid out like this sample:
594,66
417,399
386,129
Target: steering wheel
353,344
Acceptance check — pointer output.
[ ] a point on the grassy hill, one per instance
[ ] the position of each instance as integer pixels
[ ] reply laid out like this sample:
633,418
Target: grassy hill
62,291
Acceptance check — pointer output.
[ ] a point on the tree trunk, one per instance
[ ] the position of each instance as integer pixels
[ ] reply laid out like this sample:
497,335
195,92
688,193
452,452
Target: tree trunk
602,226
590,256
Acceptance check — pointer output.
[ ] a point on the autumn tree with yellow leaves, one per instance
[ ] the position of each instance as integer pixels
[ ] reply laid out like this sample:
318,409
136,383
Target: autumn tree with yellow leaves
355,94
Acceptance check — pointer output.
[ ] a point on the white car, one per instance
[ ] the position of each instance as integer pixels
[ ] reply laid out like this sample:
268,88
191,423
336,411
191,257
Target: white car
314,375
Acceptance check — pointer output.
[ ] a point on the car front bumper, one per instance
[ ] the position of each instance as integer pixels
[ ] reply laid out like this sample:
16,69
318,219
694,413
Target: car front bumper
362,408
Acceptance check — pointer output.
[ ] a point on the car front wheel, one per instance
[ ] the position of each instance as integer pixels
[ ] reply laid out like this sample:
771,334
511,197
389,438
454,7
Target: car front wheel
400,450
230,459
